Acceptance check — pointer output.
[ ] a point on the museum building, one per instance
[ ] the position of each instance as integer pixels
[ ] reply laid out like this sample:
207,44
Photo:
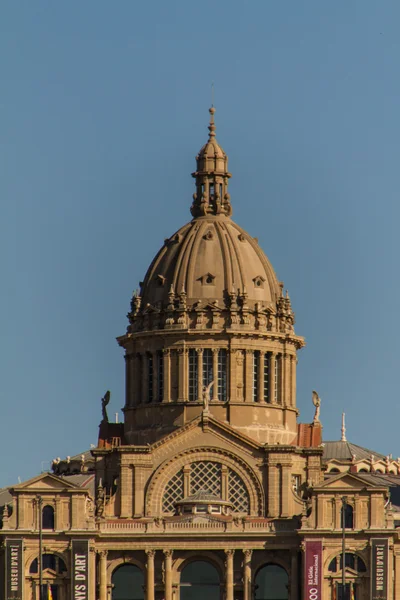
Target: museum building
211,488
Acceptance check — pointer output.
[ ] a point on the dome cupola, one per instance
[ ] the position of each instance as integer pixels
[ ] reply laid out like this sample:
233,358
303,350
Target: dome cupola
211,312
211,196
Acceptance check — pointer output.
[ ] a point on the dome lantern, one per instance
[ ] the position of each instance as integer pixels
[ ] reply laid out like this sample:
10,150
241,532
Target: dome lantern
211,196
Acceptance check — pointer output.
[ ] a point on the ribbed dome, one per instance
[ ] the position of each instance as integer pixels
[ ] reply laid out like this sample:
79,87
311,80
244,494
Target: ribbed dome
210,259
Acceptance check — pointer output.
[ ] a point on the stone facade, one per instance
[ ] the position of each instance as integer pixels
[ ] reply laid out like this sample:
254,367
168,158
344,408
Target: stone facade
210,466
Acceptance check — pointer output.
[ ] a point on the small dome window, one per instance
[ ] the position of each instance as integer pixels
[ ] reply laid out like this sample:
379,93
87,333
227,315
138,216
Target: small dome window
207,279
259,281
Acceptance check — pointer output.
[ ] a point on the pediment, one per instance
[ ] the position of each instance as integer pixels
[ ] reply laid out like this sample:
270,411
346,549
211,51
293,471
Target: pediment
45,481
204,431
346,481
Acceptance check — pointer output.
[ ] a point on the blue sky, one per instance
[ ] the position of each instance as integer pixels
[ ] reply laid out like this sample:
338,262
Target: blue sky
103,109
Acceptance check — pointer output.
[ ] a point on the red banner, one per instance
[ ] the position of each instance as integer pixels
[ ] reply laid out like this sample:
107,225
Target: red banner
313,570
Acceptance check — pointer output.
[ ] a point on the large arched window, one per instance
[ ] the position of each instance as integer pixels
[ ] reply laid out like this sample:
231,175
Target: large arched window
127,583
199,581
271,583
211,476
347,513
54,576
356,571
48,517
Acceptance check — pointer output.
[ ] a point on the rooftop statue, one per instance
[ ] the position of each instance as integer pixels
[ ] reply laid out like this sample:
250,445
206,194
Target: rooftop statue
317,403
104,402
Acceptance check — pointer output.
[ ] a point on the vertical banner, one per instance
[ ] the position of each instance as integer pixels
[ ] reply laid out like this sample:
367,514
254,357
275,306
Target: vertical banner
14,579
80,570
379,568
313,570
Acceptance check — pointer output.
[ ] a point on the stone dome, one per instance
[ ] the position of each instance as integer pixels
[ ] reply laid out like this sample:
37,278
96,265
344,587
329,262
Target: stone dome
210,259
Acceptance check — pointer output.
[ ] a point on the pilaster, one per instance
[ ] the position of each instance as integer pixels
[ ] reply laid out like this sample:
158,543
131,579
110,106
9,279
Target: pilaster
248,393
247,574
150,575
167,375
229,574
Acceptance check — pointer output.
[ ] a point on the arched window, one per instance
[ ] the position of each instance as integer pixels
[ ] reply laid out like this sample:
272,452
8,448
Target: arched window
200,580
127,583
48,517
271,583
363,471
211,476
352,561
334,470
347,510
49,561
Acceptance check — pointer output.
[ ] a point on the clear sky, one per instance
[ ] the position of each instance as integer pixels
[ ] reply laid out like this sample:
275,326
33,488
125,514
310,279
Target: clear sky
104,106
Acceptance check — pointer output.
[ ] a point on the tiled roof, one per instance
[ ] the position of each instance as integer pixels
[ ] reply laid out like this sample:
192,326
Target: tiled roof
345,450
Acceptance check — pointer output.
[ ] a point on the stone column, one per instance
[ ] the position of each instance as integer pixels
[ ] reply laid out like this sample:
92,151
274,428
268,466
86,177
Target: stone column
232,375
150,575
272,382
260,382
182,374
248,390
167,375
145,379
286,378
286,489
58,515
229,574
273,491
103,575
215,374
168,574
199,373
294,575
128,379
155,376
247,574
293,380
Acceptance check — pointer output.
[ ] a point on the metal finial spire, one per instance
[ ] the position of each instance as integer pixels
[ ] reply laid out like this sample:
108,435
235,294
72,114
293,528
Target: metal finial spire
343,428
211,127
212,93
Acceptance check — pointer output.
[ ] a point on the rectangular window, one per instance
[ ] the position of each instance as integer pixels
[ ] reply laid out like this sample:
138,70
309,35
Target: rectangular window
212,189
193,375
278,364
150,368
208,371
267,357
222,370
160,376
256,372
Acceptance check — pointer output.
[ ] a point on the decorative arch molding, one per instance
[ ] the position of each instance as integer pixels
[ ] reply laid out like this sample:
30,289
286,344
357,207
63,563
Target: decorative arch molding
30,557
364,555
171,466
121,561
270,560
201,556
